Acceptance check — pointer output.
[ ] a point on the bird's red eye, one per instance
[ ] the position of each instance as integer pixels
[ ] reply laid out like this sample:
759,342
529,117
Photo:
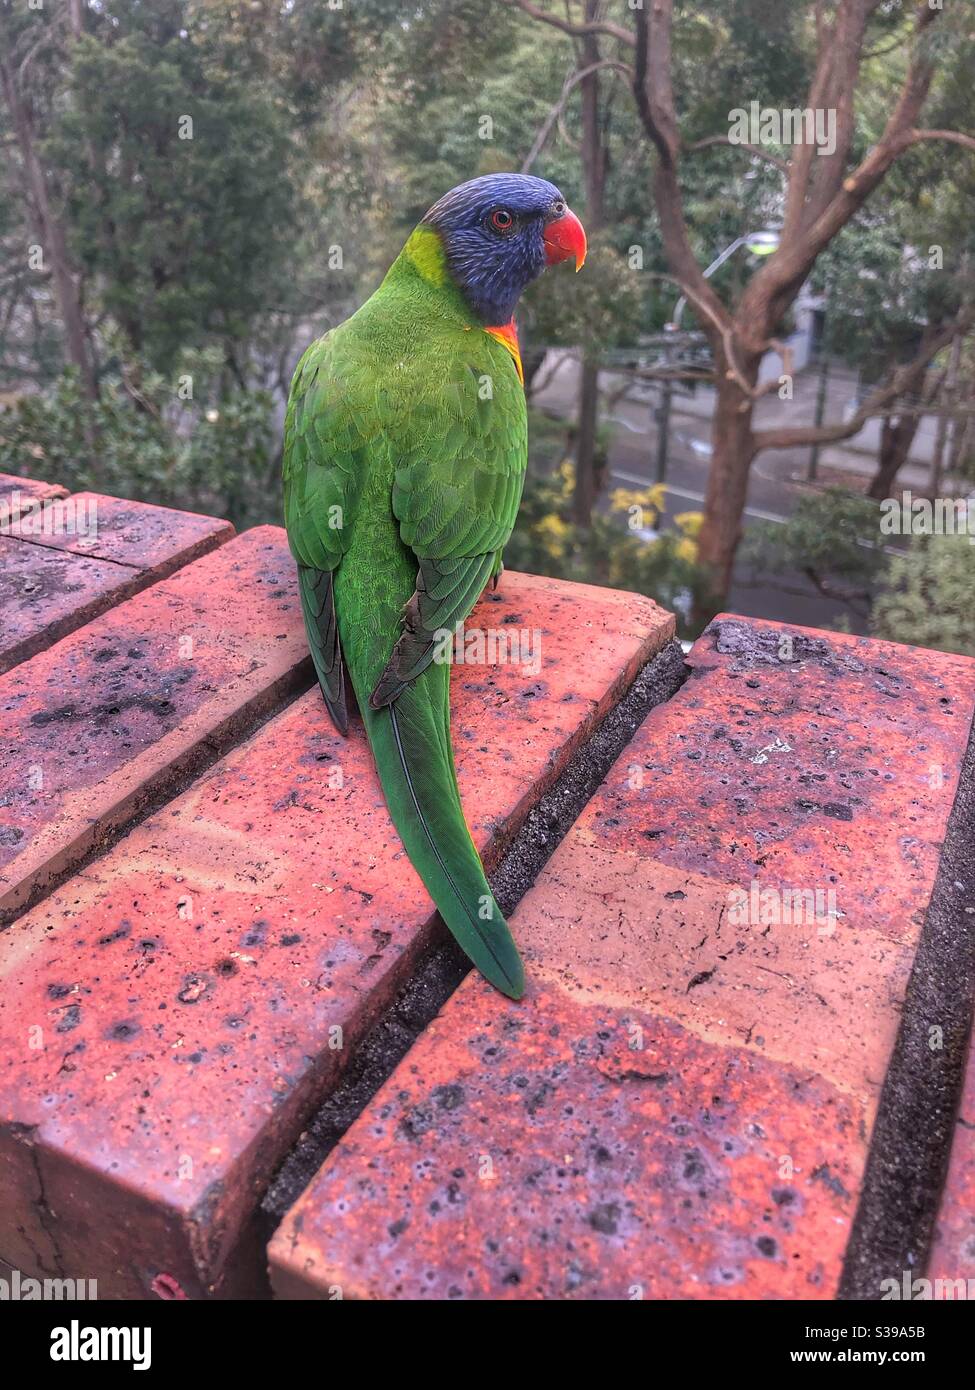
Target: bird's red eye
501,220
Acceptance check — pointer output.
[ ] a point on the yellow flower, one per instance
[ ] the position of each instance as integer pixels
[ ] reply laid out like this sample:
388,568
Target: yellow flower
567,472
651,499
552,532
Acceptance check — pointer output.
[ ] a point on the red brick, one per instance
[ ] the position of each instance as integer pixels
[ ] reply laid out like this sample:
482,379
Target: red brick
44,595
875,734
107,720
182,1047
52,582
528,1152
20,495
155,540
953,1251
759,1051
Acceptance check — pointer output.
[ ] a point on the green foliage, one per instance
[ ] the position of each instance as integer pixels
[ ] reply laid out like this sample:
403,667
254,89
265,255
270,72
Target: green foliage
922,596
611,553
180,200
834,532
883,275
928,598
320,129
603,307
208,453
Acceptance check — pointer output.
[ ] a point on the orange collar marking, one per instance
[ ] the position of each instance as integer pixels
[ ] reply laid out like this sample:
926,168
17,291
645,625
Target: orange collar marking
507,336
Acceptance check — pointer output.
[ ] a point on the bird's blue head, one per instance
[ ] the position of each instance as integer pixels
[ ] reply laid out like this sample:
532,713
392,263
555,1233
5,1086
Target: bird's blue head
498,233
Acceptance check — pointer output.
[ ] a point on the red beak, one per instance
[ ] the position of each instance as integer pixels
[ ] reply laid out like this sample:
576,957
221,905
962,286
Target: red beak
563,238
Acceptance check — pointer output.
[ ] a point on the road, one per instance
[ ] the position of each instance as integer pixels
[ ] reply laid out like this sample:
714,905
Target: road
776,481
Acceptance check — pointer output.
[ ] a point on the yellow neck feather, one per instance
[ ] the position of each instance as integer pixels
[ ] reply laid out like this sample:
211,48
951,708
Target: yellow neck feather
424,251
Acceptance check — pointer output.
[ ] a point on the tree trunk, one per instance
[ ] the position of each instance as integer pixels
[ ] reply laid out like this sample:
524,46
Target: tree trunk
584,495
896,438
962,434
945,425
49,232
593,156
732,451
822,196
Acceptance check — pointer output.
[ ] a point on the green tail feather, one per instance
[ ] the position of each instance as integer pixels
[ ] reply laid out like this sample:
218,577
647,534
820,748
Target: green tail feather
411,744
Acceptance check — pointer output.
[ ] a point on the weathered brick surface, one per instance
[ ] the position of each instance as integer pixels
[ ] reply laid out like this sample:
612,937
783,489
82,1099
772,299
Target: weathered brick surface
953,1252
20,495
529,1152
856,801
105,720
53,580
683,1101
198,989
44,595
157,540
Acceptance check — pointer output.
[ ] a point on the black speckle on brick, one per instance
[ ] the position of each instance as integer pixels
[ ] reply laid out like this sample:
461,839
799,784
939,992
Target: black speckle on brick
122,1032
701,978
449,1097
605,1218
69,1019
119,934
823,1175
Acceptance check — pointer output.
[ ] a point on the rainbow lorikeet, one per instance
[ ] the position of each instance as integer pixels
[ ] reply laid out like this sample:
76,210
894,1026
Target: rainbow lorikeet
404,460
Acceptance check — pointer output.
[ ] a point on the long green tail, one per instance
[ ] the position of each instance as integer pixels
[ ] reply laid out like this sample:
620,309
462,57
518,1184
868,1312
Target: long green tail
411,744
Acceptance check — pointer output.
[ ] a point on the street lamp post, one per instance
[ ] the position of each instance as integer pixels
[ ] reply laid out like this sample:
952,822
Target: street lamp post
822,387
662,415
761,243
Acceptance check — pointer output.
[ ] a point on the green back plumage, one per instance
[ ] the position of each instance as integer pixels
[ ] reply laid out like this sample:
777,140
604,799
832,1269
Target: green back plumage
404,461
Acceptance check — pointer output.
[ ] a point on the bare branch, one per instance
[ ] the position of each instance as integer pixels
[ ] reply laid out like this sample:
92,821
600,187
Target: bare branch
654,95
570,140
801,162
914,137
653,83
787,355
851,597
857,599
773,288
540,382
43,41
881,52
756,150
578,31
880,400
822,173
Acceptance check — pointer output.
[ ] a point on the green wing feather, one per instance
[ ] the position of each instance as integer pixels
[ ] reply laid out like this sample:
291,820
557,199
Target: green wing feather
324,458
317,593
405,455
456,495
